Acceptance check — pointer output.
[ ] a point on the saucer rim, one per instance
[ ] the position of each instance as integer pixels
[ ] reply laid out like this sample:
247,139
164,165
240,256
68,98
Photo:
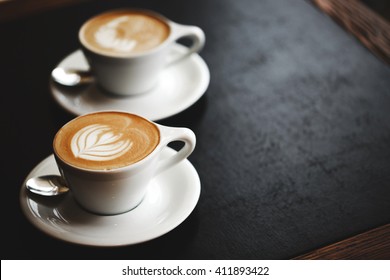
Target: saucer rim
194,187
196,59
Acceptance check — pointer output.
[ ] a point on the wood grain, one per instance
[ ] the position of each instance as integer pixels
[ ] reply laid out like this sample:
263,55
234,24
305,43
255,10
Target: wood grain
371,245
368,27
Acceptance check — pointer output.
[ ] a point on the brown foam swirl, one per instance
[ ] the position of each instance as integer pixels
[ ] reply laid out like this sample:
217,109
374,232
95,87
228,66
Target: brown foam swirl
124,32
106,140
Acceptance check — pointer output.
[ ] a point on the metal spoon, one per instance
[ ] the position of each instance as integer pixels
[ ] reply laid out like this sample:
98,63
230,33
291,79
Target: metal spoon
71,77
48,185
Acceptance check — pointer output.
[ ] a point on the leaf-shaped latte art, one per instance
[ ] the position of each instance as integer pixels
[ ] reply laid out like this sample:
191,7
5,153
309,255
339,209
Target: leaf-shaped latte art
107,36
99,143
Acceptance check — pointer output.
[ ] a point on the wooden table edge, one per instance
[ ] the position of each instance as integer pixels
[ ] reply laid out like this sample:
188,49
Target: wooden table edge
370,28
373,244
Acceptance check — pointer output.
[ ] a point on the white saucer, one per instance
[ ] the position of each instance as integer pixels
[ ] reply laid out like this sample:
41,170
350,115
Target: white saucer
179,87
170,199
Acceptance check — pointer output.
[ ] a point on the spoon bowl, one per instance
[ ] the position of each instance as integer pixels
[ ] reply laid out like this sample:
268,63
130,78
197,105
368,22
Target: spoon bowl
48,185
71,77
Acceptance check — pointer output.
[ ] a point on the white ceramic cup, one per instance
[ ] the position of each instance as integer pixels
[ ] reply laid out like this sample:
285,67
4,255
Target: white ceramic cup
132,74
119,190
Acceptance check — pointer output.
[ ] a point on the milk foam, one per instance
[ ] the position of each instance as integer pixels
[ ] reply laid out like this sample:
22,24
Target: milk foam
99,143
107,36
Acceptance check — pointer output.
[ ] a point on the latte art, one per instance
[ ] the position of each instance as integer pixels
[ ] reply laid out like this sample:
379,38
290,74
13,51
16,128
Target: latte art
124,32
106,140
107,36
99,142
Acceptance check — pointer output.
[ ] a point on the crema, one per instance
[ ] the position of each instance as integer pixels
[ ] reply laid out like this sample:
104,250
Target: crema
124,32
106,140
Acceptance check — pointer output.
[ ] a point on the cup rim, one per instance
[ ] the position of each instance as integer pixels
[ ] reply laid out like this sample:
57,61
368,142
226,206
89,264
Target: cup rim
128,167
164,19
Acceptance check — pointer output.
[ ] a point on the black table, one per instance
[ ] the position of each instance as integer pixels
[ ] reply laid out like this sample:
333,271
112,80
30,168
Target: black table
293,132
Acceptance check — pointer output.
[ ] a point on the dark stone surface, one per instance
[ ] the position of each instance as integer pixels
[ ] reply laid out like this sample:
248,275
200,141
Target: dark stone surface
381,7
293,132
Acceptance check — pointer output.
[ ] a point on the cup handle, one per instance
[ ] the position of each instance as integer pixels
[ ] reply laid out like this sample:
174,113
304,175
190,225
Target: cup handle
171,134
194,33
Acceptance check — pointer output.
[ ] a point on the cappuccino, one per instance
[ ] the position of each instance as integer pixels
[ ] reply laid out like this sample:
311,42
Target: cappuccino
106,140
124,32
